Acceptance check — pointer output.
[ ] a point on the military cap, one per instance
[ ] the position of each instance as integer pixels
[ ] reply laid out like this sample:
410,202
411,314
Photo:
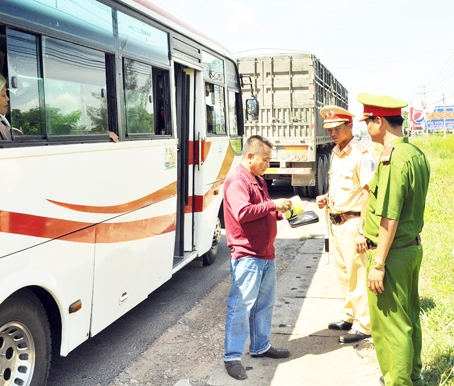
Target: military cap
335,116
380,105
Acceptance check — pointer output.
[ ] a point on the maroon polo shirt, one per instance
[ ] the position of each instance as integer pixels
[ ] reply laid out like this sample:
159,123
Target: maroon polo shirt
250,215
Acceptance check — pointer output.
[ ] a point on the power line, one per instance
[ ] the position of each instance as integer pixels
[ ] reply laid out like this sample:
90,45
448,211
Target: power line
441,70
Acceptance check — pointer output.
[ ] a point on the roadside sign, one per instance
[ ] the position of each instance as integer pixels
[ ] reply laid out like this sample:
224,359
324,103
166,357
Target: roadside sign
441,115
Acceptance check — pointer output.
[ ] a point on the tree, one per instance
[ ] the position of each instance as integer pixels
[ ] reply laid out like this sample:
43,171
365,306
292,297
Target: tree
138,91
98,115
52,120
406,123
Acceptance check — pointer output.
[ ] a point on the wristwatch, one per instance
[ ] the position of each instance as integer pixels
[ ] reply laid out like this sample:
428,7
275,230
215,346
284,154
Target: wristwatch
378,265
361,231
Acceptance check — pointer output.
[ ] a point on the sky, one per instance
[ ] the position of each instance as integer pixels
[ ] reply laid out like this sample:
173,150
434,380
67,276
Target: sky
402,48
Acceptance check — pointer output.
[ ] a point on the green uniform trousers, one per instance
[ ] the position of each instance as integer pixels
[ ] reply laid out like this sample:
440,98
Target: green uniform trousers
394,317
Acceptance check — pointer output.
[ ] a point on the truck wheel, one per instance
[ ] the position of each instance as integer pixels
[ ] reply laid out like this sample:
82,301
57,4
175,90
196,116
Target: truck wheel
25,343
316,190
210,256
300,191
326,177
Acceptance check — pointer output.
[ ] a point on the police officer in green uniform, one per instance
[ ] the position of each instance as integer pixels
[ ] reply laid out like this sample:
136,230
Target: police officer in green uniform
394,219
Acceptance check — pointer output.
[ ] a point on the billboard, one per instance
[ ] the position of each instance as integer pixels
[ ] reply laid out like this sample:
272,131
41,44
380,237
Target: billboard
440,115
416,119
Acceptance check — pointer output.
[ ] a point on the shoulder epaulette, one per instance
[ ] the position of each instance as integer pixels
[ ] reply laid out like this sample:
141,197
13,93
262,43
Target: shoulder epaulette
361,148
386,153
348,149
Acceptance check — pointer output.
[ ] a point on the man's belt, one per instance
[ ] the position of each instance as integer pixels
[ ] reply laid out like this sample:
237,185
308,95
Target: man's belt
340,218
416,241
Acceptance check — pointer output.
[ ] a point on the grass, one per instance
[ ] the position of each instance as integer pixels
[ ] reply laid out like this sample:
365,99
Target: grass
437,270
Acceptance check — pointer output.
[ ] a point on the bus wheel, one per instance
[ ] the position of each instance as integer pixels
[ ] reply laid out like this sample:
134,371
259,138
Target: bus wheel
210,256
25,343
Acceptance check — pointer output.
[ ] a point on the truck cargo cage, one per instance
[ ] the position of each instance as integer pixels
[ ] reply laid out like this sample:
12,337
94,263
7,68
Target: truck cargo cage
291,89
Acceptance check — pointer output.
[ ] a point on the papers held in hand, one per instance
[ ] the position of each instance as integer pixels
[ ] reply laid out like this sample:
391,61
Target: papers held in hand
297,207
304,218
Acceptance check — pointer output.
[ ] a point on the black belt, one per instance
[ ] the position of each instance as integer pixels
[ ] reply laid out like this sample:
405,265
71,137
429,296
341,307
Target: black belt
416,241
340,218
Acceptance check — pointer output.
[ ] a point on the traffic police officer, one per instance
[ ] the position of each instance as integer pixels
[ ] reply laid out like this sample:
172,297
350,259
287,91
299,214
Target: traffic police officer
352,167
394,219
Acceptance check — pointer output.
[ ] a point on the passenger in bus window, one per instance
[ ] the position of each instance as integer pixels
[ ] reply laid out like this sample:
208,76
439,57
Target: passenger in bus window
5,127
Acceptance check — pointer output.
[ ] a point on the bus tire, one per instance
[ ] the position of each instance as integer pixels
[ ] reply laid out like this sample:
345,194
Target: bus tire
25,341
210,256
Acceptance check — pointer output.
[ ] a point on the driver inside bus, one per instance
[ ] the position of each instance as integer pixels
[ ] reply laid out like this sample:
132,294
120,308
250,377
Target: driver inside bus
5,127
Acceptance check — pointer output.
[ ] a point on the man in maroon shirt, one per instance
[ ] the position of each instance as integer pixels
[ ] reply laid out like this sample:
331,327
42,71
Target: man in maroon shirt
250,222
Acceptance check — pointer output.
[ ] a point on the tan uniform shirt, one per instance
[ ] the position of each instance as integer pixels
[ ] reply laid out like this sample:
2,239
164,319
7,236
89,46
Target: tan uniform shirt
351,169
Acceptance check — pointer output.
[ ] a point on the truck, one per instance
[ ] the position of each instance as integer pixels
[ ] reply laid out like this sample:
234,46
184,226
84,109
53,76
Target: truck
290,90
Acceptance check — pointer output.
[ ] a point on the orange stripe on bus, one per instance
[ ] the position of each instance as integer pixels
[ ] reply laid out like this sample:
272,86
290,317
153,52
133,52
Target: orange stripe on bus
214,189
160,195
200,203
54,228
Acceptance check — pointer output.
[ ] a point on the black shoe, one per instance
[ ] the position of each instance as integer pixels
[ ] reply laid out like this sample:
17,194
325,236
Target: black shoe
274,353
382,381
340,325
353,336
236,370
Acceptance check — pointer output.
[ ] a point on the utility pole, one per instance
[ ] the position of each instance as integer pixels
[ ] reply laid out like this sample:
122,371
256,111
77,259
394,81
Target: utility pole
423,102
426,125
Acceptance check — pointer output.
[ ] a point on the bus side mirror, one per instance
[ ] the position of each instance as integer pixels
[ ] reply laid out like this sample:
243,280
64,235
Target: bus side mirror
252,109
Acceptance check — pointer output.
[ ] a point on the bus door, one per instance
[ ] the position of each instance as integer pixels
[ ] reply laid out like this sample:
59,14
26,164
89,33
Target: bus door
185,99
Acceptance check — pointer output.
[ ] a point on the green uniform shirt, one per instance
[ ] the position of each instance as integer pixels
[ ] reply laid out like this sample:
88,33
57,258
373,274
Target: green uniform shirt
398,191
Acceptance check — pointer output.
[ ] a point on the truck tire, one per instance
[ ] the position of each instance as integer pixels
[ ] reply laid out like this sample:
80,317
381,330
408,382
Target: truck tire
25,342
210,256
326,164
300,191
316,190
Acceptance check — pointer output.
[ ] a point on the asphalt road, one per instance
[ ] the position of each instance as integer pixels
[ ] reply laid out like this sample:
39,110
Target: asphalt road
101,358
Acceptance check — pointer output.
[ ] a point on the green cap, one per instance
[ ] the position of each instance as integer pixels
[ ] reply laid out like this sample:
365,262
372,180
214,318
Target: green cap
380,105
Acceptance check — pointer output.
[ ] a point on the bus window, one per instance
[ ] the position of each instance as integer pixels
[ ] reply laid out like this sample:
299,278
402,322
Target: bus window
213,67
2,49
88,19
215,108
233,116
162,101
147,106
68,100
139,102
26,85
75,89
139,38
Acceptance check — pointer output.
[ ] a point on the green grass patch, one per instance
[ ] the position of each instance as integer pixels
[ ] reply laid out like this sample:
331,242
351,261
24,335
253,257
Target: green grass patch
437,270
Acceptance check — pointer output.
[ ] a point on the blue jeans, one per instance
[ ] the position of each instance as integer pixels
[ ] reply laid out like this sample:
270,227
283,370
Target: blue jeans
249,306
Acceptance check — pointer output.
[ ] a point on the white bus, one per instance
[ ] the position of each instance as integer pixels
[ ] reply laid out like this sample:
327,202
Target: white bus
125,121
